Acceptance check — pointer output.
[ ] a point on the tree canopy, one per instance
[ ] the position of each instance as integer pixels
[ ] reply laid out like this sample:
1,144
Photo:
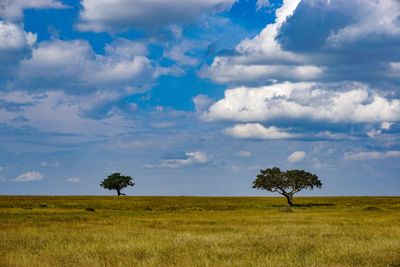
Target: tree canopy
286,183
117,182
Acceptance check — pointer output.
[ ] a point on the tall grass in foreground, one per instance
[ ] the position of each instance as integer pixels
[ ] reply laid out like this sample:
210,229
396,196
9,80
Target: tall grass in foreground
199,231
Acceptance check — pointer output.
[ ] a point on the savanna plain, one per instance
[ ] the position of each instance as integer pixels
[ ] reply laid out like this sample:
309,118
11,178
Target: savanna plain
199,231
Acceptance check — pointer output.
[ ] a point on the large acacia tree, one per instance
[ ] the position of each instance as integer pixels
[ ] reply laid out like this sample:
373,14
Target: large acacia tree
286,183
116,181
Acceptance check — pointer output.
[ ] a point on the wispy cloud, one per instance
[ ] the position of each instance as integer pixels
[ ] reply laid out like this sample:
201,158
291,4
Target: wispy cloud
243,153
50,164
367,155
31,176
74,180
190,158
260,4
14,10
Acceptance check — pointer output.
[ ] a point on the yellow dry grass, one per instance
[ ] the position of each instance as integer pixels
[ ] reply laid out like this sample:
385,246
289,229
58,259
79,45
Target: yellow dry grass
199,231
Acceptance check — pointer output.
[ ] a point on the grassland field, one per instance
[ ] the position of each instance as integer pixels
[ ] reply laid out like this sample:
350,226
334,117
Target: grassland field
199,231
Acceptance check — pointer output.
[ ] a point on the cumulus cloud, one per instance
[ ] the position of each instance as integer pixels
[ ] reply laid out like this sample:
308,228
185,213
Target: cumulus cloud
296,156
381,24
15,44
357,103
324,62
355,40
368,155
120,15
31,176
190,158
257,131
318,40
13,37
56,111
262,59
73,66
13,10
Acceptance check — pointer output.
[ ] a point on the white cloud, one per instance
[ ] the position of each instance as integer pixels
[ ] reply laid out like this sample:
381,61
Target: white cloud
44,164
58,112
126,49
243,153
386,125
296,156
260,4
356,103
354,40
73,65
179,53
367,155
336,61
13,37
191,158
73,180
265,43
374,133
224,70
133,106
50,164
12,10
120,15
382,20
202,103
257,131
393,69
262,58
15,45
29,177
332,136
163,124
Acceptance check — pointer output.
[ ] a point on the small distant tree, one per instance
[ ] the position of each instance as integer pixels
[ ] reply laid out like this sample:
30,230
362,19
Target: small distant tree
286,183
116,181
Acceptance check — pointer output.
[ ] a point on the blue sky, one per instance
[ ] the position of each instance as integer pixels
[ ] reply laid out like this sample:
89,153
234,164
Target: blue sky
194,97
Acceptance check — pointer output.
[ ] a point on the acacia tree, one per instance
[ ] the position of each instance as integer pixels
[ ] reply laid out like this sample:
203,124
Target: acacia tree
286,183
116,181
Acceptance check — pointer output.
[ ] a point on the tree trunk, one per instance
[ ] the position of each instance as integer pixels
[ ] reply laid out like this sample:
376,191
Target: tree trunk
118,192
289,199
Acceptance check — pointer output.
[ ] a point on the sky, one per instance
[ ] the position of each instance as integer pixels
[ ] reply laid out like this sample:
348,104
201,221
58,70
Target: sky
195,97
